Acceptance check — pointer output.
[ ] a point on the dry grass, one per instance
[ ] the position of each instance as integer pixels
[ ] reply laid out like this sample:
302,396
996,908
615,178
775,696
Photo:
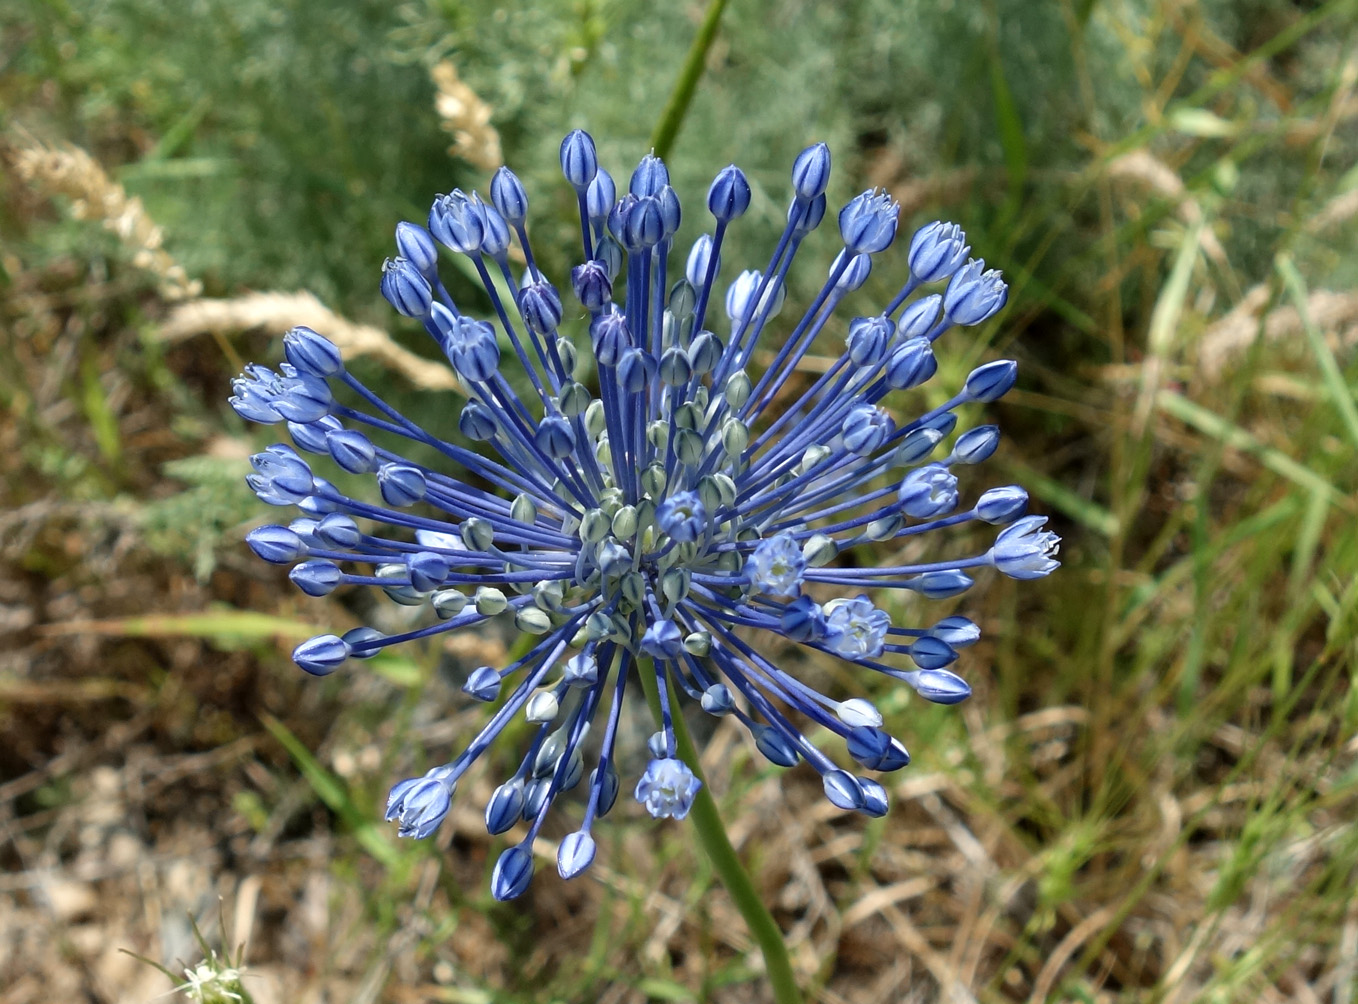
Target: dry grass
467,118
1151,796
275,313
70,172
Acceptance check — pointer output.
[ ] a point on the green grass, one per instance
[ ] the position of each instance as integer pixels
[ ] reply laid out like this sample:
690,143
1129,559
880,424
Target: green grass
1150,795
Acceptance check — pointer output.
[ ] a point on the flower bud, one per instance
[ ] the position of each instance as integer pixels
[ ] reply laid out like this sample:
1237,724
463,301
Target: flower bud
508,195
976,445
811,172
868,222
311,354
579,162
937,251
1000,506
405,288
992,381
649,177
729,196
416,245
600,197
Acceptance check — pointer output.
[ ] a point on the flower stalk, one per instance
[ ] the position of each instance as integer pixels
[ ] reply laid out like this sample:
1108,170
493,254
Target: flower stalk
711,831
672,117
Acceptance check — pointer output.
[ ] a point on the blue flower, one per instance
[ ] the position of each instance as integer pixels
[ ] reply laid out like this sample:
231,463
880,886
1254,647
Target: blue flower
667,788
658,508
855,628
420,804
683,517
1026,551
776,565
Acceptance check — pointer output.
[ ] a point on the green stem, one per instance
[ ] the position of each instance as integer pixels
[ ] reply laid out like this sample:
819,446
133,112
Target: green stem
712,835
682,95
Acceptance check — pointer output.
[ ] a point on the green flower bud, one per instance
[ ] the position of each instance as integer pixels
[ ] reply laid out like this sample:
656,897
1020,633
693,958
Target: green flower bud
737,390
532,620
489,601
523,509
575,400
819,550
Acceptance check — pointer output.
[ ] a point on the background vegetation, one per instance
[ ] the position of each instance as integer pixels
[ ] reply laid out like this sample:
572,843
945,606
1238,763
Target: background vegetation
1151,795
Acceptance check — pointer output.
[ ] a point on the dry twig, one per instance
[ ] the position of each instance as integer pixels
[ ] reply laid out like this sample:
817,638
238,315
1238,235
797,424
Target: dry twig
277,312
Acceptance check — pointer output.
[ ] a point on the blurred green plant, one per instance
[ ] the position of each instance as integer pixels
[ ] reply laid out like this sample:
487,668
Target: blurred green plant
1160,740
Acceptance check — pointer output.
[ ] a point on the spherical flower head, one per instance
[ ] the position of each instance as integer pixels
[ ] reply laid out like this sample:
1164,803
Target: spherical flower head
667,788
213,982
855,628
677,510
776,566
683,517
1025,551
419,805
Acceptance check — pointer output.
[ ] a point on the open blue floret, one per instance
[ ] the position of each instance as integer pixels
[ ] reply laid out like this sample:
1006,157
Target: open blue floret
668,506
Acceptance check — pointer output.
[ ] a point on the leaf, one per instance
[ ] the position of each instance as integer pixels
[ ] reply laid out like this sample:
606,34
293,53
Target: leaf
223,624
333,792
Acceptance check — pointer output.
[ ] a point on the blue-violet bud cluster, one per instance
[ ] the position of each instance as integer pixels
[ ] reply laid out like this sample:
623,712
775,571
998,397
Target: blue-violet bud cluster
647,499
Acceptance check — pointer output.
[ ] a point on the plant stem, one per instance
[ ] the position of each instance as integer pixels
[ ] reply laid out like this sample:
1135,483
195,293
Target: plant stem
712,835
662,139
